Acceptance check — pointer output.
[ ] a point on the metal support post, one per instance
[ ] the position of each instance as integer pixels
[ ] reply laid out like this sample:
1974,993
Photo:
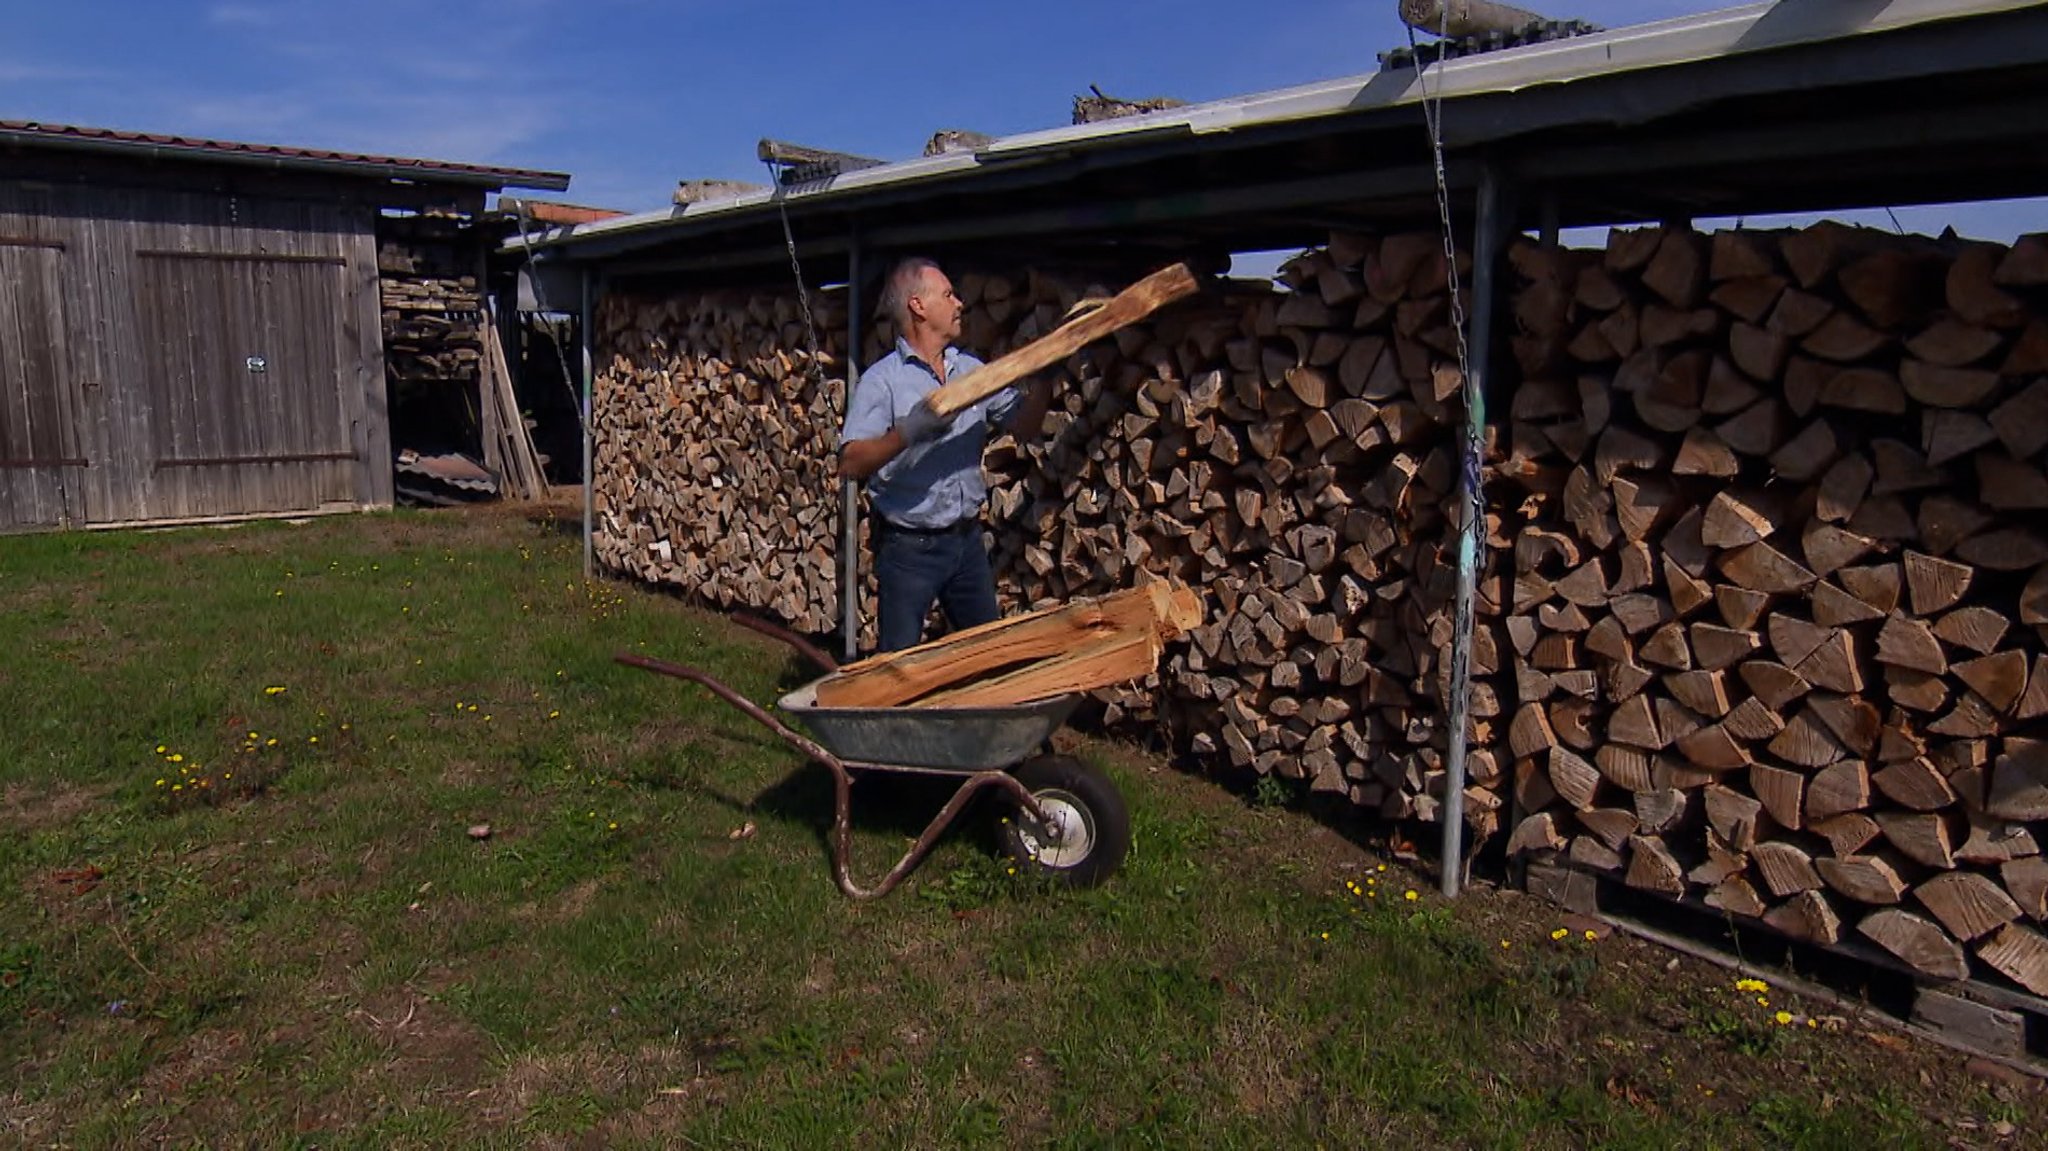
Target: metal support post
849,492
1487,233
589,480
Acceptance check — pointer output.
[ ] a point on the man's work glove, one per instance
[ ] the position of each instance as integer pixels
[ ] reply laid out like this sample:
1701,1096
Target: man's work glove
921,423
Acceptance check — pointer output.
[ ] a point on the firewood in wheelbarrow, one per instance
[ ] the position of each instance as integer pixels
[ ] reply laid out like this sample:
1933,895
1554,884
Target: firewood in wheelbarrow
1079,646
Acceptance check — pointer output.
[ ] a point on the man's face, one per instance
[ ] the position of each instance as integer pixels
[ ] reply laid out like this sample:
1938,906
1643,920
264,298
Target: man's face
942,309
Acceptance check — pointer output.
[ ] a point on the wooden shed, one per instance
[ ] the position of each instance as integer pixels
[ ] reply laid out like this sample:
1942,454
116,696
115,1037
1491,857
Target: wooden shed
190,329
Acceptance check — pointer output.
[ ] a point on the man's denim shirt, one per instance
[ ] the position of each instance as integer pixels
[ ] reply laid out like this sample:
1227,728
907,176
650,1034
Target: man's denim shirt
937,483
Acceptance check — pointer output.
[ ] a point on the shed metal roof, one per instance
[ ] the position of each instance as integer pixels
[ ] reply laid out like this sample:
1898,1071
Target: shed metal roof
36,134
1767,107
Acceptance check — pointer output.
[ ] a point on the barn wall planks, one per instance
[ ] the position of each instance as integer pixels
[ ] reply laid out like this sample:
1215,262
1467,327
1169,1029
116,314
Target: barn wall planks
179,354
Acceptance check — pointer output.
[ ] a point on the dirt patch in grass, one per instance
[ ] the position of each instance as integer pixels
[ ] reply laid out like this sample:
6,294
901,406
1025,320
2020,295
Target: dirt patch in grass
34,807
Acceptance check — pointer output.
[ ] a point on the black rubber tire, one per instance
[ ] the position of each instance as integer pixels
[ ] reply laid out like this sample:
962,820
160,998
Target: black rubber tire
1064,780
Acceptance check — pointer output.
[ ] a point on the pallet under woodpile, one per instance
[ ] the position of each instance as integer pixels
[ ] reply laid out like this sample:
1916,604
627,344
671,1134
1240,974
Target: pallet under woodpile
1763,623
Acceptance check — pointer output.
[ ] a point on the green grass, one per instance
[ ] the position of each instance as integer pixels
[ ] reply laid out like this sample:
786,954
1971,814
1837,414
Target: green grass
310,949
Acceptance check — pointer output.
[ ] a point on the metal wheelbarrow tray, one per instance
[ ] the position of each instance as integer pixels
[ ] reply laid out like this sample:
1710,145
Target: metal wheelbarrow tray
1068,820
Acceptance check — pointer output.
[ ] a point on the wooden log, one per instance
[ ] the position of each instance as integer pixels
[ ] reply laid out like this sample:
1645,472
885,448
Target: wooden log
1925,839
1863,878
1080,646
1908,642
1536,833
1975,628
1760,567
1784,868
1735,896
1967,903
1934,584
2026,880
1732,815
1575,780
1974,296
1807,742
1625,767
1773,684
1847,834
1837,789
1783,794
1652,868
1842,488
1915,784
1919,942
2021,955
1122,310
1947,387
2019,781
1808,916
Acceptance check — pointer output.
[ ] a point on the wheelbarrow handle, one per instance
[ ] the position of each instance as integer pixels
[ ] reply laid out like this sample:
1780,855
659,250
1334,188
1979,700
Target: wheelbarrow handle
810,651
711,684
842,784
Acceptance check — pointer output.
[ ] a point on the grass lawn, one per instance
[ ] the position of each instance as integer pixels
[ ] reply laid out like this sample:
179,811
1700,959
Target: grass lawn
239,905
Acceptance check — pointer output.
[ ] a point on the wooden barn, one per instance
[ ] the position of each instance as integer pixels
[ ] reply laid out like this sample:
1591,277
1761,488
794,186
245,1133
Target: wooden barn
192,329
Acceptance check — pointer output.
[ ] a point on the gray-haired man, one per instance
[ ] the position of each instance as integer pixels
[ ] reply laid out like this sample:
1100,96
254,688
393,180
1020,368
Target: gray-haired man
923,473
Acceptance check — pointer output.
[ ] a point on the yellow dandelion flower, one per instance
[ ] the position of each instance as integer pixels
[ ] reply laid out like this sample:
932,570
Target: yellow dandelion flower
1762,1002
611,827
160,749
1560,933
253,735
272,742
177,758
1813,1023
554,715
159,783
1382,867
1783,1017
1010,871
1410,896
344,727
177,787
1751,985
312,739
227,775
1592,936
1504,945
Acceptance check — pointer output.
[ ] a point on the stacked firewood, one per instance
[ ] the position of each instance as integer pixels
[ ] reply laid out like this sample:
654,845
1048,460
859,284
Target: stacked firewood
1779,581
1289,451
432,328
426,268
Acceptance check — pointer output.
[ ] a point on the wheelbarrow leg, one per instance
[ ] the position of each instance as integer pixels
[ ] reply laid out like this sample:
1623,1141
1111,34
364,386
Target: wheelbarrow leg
842,829
842,784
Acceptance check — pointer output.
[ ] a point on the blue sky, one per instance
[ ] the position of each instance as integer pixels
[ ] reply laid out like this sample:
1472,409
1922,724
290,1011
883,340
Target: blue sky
631,95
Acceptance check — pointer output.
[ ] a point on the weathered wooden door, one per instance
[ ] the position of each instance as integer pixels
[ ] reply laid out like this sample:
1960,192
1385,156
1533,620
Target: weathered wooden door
41,463
243,383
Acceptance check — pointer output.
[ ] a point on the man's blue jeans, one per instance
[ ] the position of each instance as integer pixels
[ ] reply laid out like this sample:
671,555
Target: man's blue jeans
916,570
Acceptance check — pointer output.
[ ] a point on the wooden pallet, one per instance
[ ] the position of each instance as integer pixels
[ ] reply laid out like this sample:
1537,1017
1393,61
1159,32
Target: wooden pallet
2003,1025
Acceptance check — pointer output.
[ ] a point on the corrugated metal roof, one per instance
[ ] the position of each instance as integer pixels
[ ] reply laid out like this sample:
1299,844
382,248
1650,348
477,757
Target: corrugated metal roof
31,134
1750,29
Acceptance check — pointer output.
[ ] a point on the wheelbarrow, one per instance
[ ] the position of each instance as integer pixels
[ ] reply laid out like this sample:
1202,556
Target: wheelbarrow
1065,820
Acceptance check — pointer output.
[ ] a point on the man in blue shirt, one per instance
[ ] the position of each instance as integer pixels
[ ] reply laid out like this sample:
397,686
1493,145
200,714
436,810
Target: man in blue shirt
923,472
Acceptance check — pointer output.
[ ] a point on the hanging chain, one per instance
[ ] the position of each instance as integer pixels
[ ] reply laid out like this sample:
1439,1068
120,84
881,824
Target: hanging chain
1433,118
796,268
540,300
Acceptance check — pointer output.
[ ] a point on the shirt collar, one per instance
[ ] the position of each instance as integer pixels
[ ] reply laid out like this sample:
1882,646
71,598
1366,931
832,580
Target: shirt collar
910,355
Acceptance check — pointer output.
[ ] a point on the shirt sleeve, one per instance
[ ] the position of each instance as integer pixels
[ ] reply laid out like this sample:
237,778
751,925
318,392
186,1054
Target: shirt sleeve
869,413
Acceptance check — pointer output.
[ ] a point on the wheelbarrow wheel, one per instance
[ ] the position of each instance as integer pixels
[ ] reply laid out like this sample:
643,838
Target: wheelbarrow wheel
1087,829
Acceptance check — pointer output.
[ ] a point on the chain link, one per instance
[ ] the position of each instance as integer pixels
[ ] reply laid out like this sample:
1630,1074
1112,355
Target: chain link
796,268
540,300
